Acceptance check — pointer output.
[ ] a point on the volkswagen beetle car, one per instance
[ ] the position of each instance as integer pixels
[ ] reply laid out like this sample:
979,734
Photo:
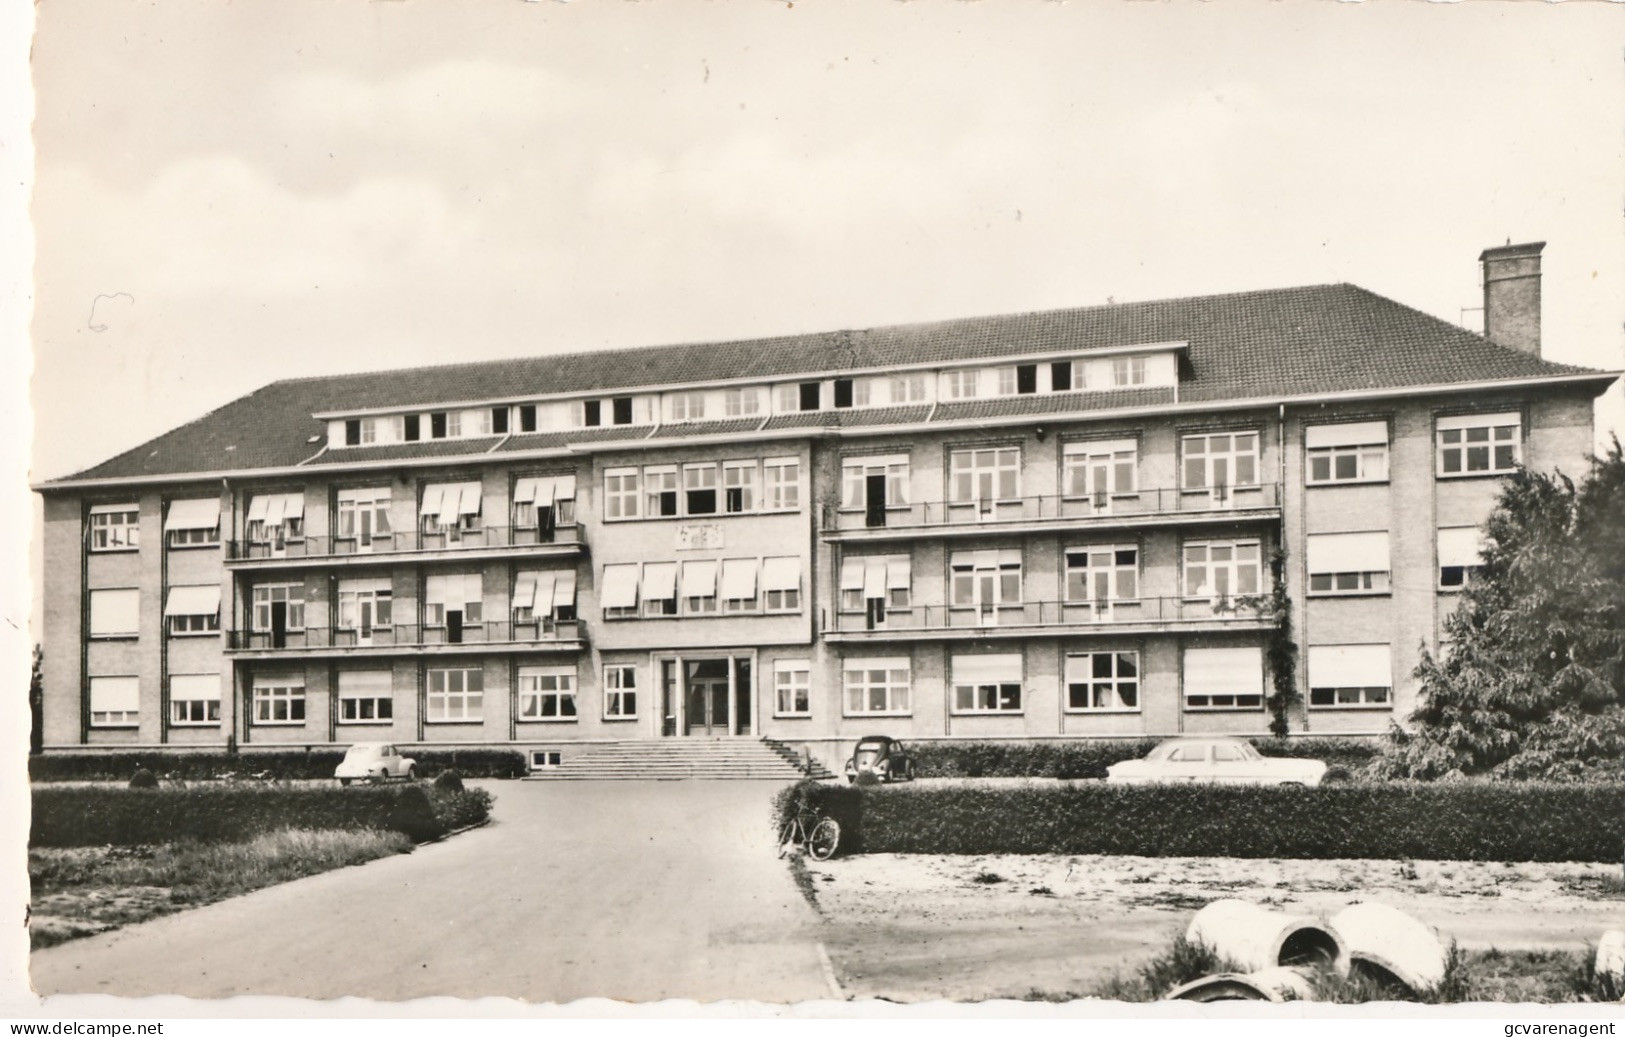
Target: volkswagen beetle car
375,761
1222,761
881,756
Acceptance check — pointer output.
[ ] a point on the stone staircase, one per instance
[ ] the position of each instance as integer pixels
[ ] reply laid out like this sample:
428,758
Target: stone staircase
673,759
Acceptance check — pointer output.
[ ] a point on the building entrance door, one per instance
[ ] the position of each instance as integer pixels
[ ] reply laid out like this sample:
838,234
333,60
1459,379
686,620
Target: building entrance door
707,712
708,697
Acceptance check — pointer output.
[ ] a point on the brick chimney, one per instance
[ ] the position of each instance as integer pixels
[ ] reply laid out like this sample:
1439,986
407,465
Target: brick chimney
1512,295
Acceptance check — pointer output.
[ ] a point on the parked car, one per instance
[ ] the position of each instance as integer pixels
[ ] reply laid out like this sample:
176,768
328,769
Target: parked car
1223,761
882,756
375,761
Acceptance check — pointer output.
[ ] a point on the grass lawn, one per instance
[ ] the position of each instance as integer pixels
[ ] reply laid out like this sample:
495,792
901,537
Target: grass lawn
83,890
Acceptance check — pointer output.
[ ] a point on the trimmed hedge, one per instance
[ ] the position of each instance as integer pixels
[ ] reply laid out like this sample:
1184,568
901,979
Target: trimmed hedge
1395,820
1089,759
287,764
116,816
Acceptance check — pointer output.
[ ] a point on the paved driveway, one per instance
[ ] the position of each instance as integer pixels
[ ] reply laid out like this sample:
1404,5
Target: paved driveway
630,890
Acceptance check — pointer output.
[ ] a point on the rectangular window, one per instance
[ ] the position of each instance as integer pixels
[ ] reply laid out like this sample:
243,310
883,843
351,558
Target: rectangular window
448,593
1220,569
366,605
1347,563
741,402
863,477
619,595
527,417
547,597
369,430
960,385
115,527
412,427
1103,682
455,695
807,396
288,599
1097,470
193,610
592,413
699,589
437,425
366,697
739,486
872,584
1356,452
862,391
454,424
987,683
781,584
985,580
279,700
1060,376
687,406
363,515
1007,380
876,687
1461,551
499,420
352,432
986,475
1128,370
115,701
660,491
1480,444
193,523
1080,375
451,509
1026,378
273,519
194,700
843,392
620,692
1224,678
115,613
1103,574
700,489
906,388
621,410
621,493
1350,676
738,586
792,688
1221,460
781,484
659,590
547,693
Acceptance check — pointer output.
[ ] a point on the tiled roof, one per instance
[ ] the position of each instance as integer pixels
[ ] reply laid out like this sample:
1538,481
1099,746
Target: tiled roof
1053,403
408,451
855,418
1264,344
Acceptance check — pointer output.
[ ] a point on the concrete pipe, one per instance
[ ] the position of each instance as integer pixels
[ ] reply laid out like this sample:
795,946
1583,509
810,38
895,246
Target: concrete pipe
1609,967
1389,947
1277,984
1255,938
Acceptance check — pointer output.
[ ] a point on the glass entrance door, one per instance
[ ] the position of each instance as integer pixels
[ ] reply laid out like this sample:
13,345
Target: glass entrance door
706,704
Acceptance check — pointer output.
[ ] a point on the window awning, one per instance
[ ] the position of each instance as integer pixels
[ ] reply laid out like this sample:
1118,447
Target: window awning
524,591
366,683
699,579
659,580
1098,447
781,574
620,586
874,578
852,570
193,601
738,579
1224,671
453,590
112,509
1460,546
449,500
874,461
115,611
115,694
899,572
564,589
374,585
193,514
524,491
1480,420
1347,552
987,669
564,487
1350,666
1360,433
274,508
195,687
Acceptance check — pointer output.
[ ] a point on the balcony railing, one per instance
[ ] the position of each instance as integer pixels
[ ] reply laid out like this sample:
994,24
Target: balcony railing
497,633
1210,501
403,542
1203,613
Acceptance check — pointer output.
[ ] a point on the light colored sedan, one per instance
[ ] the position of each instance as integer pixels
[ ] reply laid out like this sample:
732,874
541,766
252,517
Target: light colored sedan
1219,761
374,761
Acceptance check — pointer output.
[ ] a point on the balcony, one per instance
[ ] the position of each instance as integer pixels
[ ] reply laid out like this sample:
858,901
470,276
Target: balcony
1025,619
1138,510
407,639
414,544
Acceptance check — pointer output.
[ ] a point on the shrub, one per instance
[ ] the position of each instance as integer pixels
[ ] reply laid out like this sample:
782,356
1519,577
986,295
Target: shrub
1089,759
448,781
100,816
113,765
1398,820
143,779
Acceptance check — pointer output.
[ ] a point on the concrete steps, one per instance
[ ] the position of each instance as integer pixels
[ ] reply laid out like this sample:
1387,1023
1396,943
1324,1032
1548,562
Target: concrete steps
672,759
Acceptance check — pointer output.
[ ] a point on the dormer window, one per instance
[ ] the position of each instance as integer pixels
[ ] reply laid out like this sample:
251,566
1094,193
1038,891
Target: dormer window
412,428
352,432
687,406
621,410
499,420
960,385
1026,378
1007,381
1060,376
1128,370
592,413
527,417
808,395
437,425
843,392
741,403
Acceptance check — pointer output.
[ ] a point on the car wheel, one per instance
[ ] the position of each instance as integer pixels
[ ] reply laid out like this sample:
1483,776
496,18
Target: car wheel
411,774
345,782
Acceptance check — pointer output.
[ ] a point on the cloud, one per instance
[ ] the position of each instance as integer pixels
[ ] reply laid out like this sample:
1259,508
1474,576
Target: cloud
447,100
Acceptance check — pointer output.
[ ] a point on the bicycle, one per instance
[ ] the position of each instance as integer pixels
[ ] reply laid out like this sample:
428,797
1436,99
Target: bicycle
814,833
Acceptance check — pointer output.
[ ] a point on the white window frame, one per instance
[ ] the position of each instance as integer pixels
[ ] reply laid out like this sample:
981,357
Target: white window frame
1007,380
781,484
962,384
1083,683
115,527
863,392
855,472
895,573
187,707
437,596
461,693
1329,579
740,476
1080,462
1128,371
271,692
361,697
1232,454
353,504
273,592
741,402
1456,438
659,480
1213,703
894,687
546,695
701,478
983,570
620,691
1103,569
906,388
970,467
1361,446
1451,552
988,693
121,607
622,494
686,406
792,687
1233,567
194,624
125,687
351,595
1329,667
780,599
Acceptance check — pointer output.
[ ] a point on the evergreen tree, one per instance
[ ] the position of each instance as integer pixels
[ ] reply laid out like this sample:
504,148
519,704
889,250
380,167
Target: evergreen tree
1533,684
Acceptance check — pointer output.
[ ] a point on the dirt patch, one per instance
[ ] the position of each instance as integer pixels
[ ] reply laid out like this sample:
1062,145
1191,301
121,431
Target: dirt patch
918,927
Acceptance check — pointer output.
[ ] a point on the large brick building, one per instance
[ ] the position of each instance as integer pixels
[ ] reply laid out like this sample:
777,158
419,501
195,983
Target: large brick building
1061,524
